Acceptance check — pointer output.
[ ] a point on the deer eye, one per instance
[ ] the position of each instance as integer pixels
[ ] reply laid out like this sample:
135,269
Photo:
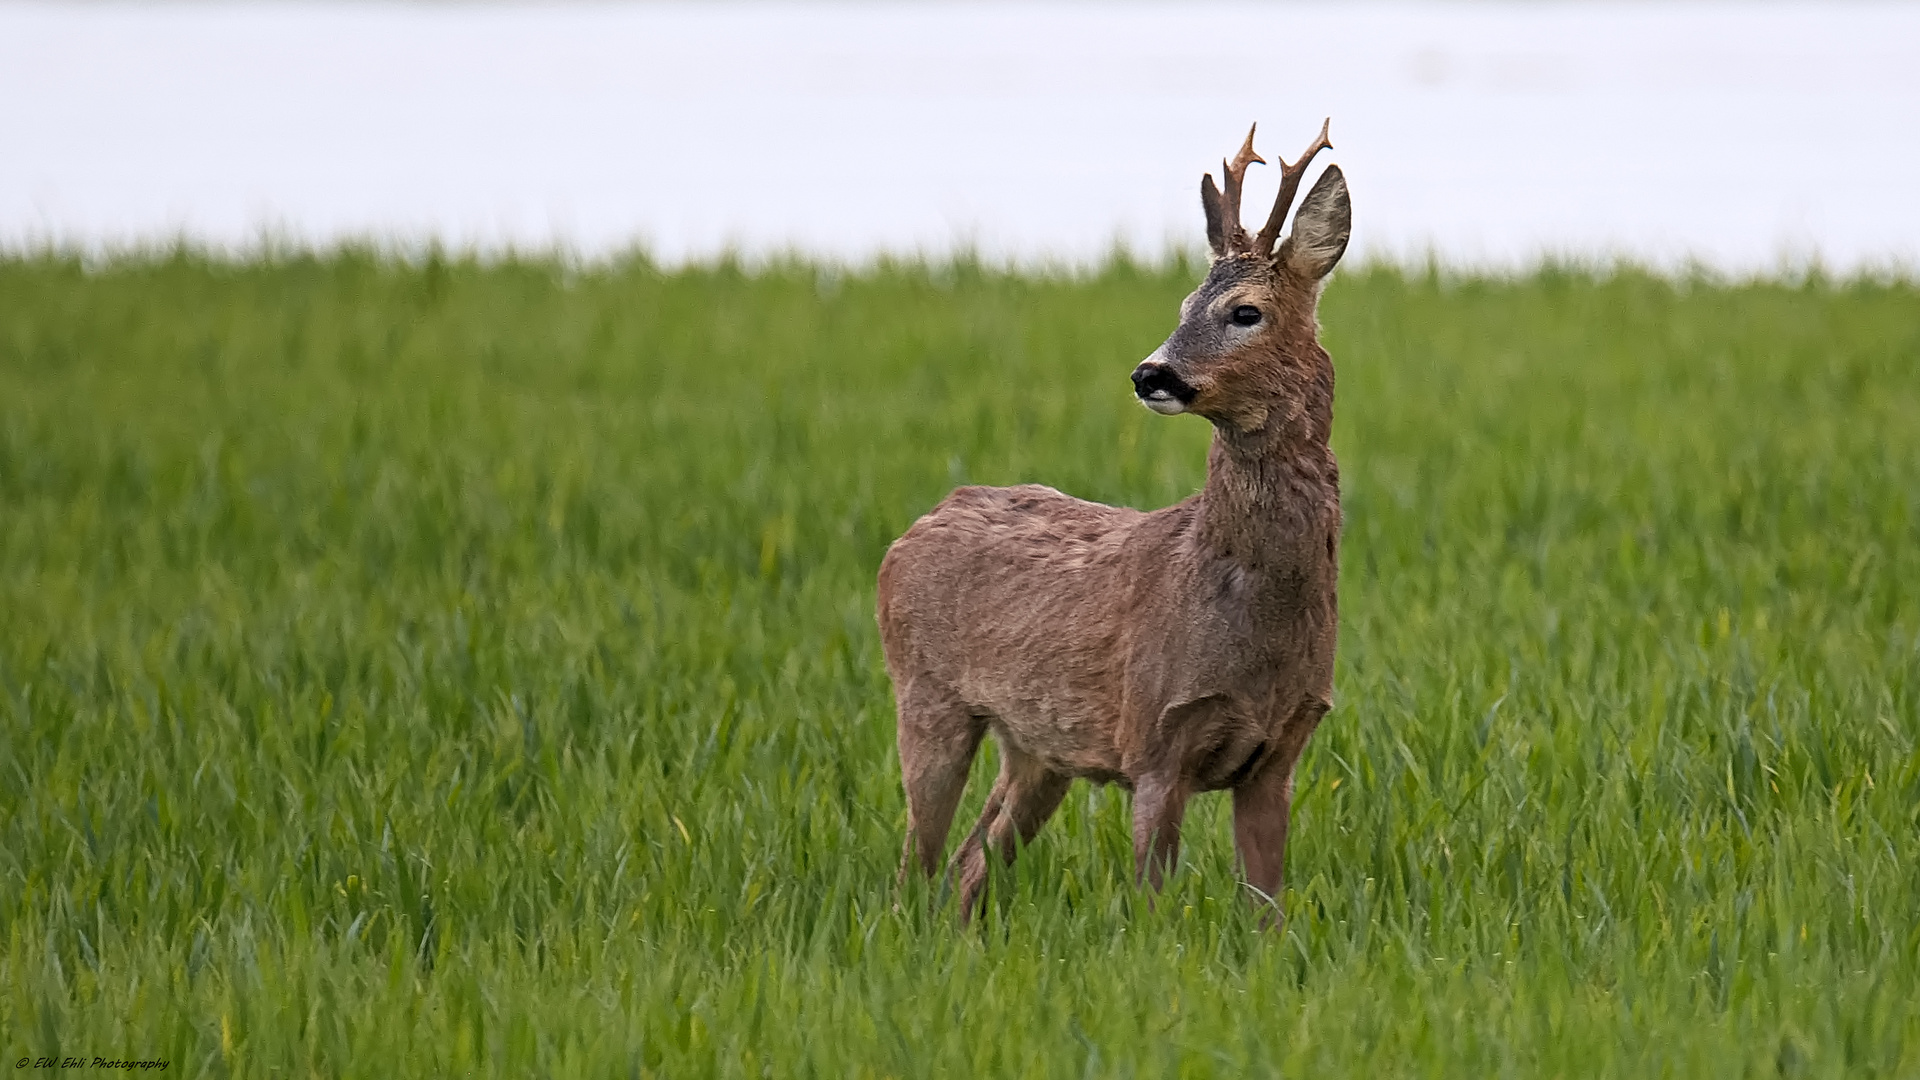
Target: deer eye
1246,315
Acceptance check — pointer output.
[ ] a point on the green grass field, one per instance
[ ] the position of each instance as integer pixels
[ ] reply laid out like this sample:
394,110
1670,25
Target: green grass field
445,669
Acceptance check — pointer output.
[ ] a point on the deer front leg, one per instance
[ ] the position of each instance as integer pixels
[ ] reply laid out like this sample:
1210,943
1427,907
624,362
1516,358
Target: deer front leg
1159,804
1262,807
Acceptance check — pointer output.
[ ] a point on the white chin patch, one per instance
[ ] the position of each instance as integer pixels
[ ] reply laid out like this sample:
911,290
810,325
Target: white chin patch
1163,403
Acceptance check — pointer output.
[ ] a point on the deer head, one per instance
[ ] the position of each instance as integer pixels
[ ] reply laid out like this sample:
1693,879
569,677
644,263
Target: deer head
1246,347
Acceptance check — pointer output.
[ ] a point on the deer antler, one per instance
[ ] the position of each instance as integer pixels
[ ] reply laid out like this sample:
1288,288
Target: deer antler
1235,174
1290,177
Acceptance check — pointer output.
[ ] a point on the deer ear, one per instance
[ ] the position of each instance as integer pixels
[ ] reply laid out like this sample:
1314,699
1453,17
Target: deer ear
1216,223
1320,228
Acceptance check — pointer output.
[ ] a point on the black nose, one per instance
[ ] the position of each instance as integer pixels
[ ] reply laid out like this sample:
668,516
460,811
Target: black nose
1153,377
1144,377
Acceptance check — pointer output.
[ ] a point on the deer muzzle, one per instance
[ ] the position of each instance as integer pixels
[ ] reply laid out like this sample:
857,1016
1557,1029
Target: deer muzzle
1160,388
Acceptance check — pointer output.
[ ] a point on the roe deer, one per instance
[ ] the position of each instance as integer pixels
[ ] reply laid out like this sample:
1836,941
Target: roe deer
1185,650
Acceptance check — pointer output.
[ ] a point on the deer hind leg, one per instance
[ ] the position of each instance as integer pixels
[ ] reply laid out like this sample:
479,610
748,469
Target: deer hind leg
938,738
1024,796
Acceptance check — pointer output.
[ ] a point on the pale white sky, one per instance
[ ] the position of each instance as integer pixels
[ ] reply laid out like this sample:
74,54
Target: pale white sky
1740,134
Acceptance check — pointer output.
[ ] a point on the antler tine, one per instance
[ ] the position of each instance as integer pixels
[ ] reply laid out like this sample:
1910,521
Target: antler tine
1235,173
1290,177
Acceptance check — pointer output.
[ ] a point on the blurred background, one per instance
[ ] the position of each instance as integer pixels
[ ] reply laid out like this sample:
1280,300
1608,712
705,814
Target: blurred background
1745,137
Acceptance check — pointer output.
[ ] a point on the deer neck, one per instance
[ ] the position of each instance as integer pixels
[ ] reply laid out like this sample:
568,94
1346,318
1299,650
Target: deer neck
1269,490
